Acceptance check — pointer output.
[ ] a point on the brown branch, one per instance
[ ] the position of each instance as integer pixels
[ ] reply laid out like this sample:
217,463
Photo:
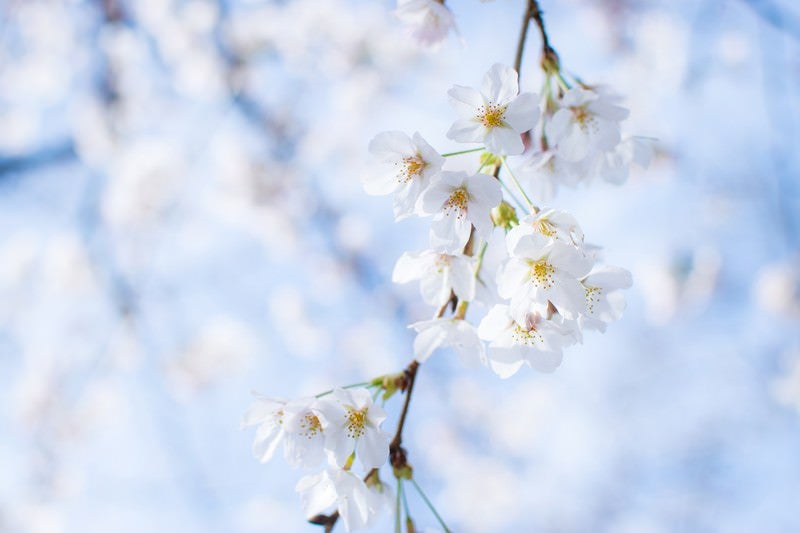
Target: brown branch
549,57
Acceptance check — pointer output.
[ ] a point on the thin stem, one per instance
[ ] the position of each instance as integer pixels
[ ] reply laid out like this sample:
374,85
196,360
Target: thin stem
367,384
471,150
405,501
397,527
431,507
512,195
531,207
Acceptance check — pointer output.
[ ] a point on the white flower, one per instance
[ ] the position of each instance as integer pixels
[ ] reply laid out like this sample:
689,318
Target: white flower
429,21
407,166
544,172
587,121
442,332
604,302
267,414
357,503
542,270
551,223
460,201
305,440
351,422
496,116
614,166
295,423
439,274
534,340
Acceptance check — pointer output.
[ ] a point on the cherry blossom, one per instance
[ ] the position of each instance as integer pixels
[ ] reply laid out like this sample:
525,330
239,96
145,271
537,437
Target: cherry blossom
458,202
440,274
295,423
351,422
586,121
496,115
430,21
406,168
541,270
544,172
534,340
614,166
357,503
604,302
447,332
551,223
268,415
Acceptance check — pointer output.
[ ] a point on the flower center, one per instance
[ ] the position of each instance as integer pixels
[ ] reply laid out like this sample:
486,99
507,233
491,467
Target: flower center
491,116
310,425
442,262
584,119
528,337
542,274
546,228
457,202
592,297
412,166
356,422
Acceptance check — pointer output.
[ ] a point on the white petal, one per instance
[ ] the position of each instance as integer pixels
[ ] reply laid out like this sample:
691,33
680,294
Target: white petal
428,340
317,493
467,131
544,360
266,442
450,233
410,266
500,84
504,141
372,449
391,144
523,112
557,126
465,100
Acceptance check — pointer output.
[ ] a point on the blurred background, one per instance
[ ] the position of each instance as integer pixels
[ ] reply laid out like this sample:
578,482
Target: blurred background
181,223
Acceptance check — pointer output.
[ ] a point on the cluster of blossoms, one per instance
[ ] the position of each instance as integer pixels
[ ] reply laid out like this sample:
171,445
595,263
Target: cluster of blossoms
546,289
549,288
335,428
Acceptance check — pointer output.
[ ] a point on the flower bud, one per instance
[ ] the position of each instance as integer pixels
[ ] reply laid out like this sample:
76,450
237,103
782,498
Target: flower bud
505,216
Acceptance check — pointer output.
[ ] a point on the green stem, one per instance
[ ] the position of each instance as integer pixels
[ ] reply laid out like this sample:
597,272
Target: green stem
367,384
397,526
532,208
471,150
512,195
431,507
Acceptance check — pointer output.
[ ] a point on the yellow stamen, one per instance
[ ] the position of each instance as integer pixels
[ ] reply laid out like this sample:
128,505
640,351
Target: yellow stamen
541,274
411,167
592,297
310,425
356,422
457,202
492,116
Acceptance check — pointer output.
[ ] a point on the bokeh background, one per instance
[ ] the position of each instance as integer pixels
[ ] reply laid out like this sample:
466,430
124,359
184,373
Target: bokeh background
181,223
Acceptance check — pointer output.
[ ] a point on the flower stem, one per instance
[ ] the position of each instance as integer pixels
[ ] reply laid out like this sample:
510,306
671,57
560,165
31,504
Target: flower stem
431,507
531,207
471,150
366,384
397,527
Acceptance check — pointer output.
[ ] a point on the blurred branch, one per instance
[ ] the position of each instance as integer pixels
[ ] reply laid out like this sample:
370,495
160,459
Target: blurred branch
52,155
775,16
